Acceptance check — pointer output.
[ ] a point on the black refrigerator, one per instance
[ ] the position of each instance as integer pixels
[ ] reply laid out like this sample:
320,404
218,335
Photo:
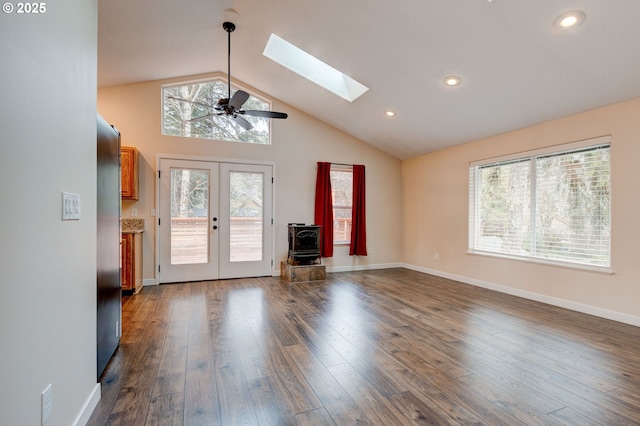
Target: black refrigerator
109,307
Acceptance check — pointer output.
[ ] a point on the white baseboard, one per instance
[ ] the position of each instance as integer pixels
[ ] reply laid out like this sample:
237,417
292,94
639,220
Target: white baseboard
352,268
562,303
90,404
149,281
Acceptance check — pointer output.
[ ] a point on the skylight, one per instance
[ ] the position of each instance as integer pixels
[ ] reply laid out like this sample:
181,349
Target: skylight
313,69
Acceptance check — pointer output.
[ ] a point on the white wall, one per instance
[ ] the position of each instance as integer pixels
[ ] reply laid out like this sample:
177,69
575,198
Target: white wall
47,266
298,143
436,191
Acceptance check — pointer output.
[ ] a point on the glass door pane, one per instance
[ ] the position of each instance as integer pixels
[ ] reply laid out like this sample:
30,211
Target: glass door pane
187,226
245,223
246,216
189,216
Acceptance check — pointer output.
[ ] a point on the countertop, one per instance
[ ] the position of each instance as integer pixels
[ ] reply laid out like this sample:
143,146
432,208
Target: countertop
132,226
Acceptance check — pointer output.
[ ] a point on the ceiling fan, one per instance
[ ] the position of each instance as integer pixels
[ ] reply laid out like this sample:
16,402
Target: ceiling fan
231,106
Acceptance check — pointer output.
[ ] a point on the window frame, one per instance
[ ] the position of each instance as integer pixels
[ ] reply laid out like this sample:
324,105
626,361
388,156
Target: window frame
531,156
234,87
349,169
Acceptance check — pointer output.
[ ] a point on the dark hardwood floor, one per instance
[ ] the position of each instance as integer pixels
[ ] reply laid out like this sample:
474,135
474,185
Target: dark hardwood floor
386,347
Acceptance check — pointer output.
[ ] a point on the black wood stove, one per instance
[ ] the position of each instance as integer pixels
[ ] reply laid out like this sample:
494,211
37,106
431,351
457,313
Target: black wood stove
304,244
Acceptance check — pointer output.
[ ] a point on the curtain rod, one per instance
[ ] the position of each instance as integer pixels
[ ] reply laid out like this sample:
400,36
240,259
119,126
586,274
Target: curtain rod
341,164
344,164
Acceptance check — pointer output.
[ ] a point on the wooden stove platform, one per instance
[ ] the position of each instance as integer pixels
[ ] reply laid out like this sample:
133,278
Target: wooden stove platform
302,273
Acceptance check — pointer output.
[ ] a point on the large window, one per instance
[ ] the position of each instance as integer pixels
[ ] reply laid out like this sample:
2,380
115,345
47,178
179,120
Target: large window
183,104
551,205
342,197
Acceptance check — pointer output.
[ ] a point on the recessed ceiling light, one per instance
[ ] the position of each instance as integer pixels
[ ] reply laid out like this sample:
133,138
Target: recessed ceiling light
390,113
571,19
452,80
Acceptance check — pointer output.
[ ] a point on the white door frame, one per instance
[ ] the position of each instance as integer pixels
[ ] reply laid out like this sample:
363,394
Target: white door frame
274,271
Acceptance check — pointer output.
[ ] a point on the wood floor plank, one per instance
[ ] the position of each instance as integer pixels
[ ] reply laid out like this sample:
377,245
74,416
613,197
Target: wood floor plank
269,405
447,394
200,388
166,410
377,407
312,340
111,381
376,347
504,379
417,410
171,373
570,417
150,348
518,407
287,379
317,417
134,397
340,406
250,354
599,406
234,398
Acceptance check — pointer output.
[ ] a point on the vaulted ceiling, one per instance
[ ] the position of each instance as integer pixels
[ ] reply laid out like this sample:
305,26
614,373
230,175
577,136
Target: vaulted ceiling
517,69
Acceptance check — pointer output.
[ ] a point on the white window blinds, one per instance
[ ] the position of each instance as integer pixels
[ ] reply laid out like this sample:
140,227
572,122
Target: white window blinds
552,204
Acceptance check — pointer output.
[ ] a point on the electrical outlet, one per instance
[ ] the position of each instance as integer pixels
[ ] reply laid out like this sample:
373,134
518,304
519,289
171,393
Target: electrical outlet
47,402
436,256
153,212
134,212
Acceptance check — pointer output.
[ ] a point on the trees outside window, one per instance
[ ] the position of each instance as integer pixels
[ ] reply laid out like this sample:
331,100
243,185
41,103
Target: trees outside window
342,196
183,103
551,205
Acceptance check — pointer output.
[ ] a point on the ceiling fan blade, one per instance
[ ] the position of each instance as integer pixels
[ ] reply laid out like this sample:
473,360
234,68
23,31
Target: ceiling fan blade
238,99
267,114
242,122
191,102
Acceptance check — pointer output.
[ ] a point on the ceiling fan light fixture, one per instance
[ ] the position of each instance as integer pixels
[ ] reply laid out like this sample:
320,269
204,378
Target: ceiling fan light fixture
452,81
571,19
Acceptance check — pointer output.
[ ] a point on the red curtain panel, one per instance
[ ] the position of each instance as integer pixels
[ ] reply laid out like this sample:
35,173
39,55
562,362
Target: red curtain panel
324,208
358,245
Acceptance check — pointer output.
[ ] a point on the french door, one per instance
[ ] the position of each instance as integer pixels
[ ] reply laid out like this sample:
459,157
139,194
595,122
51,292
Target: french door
214,220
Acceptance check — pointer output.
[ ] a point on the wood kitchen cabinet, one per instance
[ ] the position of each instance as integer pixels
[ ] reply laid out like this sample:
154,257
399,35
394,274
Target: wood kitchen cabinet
129,172
131,273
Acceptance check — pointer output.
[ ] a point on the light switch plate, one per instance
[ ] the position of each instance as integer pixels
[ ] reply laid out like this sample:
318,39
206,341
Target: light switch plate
70,206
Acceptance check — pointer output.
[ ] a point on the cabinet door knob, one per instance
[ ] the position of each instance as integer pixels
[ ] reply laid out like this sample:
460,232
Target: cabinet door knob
215,227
